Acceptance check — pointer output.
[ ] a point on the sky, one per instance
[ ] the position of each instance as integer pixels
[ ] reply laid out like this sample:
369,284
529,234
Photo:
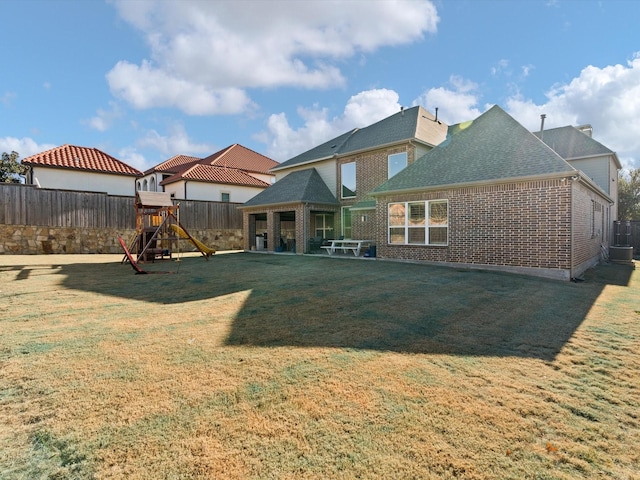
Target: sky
144,80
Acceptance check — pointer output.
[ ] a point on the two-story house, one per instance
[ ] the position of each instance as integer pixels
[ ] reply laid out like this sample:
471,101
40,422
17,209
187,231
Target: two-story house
324,192
233,174
481,194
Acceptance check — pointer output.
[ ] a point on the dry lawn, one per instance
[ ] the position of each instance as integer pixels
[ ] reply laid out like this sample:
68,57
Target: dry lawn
288,367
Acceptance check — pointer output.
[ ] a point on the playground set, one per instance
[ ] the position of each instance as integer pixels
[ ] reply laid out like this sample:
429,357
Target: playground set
158,230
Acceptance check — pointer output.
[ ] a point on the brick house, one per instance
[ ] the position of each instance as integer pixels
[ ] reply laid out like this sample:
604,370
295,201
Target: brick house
70,167
334,200
233,174
482,194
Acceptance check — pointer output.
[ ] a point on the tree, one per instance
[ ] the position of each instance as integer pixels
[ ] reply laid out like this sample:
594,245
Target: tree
629,195
11,168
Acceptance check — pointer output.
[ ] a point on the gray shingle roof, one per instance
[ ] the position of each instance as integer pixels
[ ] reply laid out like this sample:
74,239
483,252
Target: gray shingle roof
493,146
408,124
302,186
570,143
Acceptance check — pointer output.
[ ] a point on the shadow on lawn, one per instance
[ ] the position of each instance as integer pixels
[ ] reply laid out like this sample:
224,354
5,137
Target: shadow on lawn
319,302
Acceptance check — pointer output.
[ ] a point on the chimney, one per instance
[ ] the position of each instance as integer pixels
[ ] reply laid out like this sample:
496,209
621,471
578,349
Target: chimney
542,117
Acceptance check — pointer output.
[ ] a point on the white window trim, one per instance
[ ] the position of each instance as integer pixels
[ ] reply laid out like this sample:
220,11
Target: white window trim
407,226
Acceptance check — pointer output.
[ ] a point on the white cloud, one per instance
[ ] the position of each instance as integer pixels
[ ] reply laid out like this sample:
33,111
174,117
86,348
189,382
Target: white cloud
147,87
607,98
24,146
132,157
7,98
105,118
363,109
456,104
205,54
177,142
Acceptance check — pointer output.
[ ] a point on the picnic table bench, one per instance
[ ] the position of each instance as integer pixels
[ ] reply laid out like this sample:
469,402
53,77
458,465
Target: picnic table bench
354,246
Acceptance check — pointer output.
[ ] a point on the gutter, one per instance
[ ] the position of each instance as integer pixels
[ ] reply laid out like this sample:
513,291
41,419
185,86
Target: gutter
410,140
492,181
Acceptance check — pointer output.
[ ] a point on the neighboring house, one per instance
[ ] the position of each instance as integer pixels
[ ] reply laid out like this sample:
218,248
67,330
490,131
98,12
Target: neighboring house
150,181
490,195
81,168
234,174
324,192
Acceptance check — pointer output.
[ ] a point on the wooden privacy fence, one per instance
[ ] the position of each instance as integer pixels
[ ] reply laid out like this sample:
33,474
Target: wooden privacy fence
29,205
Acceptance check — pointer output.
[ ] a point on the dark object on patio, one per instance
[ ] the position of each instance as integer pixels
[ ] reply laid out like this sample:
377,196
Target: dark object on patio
314,244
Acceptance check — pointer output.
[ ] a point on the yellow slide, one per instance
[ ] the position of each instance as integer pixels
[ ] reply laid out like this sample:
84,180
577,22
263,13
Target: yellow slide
199,245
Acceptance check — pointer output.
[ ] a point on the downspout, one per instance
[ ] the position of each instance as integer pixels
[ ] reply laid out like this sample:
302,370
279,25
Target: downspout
185,189
571,245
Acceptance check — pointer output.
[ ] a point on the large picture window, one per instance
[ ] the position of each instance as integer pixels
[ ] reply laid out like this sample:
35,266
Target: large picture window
397,162
348,176
419,223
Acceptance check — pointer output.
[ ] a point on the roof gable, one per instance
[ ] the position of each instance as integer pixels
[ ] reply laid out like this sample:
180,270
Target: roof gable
81,158
297,187
409,124
494,146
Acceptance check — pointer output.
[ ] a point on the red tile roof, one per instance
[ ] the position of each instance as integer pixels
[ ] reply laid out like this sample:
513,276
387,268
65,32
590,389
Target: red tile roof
215,174
174,164
81,158
243,158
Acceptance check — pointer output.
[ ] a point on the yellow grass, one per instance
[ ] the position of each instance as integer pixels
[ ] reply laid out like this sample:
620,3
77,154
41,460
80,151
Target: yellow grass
266,366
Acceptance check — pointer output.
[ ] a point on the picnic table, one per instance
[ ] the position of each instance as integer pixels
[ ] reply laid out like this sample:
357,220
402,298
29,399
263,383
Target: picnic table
345,244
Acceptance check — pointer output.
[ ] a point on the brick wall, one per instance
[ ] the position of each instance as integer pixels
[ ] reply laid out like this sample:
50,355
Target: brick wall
590,225
524,224
371,172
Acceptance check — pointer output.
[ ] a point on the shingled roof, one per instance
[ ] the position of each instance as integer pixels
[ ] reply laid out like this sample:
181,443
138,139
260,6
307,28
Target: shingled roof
215,174
81,158
302,186
409,124
494,146
571,143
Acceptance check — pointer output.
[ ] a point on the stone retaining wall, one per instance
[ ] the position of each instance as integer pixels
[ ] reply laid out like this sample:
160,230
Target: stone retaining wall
38,240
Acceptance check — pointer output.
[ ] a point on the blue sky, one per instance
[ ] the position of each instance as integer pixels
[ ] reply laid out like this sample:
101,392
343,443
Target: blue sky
144,80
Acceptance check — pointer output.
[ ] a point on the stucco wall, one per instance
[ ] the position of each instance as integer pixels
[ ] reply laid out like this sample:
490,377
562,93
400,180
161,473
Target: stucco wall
68,179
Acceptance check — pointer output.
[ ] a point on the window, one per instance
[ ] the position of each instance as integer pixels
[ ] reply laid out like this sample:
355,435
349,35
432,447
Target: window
225,197
397,162
419,223
346,222
324,225
348,175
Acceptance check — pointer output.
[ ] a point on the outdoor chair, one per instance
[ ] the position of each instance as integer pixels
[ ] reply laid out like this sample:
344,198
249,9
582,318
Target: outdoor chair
314,244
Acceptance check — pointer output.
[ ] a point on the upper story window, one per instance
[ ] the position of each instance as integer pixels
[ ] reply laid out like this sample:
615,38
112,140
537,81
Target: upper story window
226,197
397,162
348,176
